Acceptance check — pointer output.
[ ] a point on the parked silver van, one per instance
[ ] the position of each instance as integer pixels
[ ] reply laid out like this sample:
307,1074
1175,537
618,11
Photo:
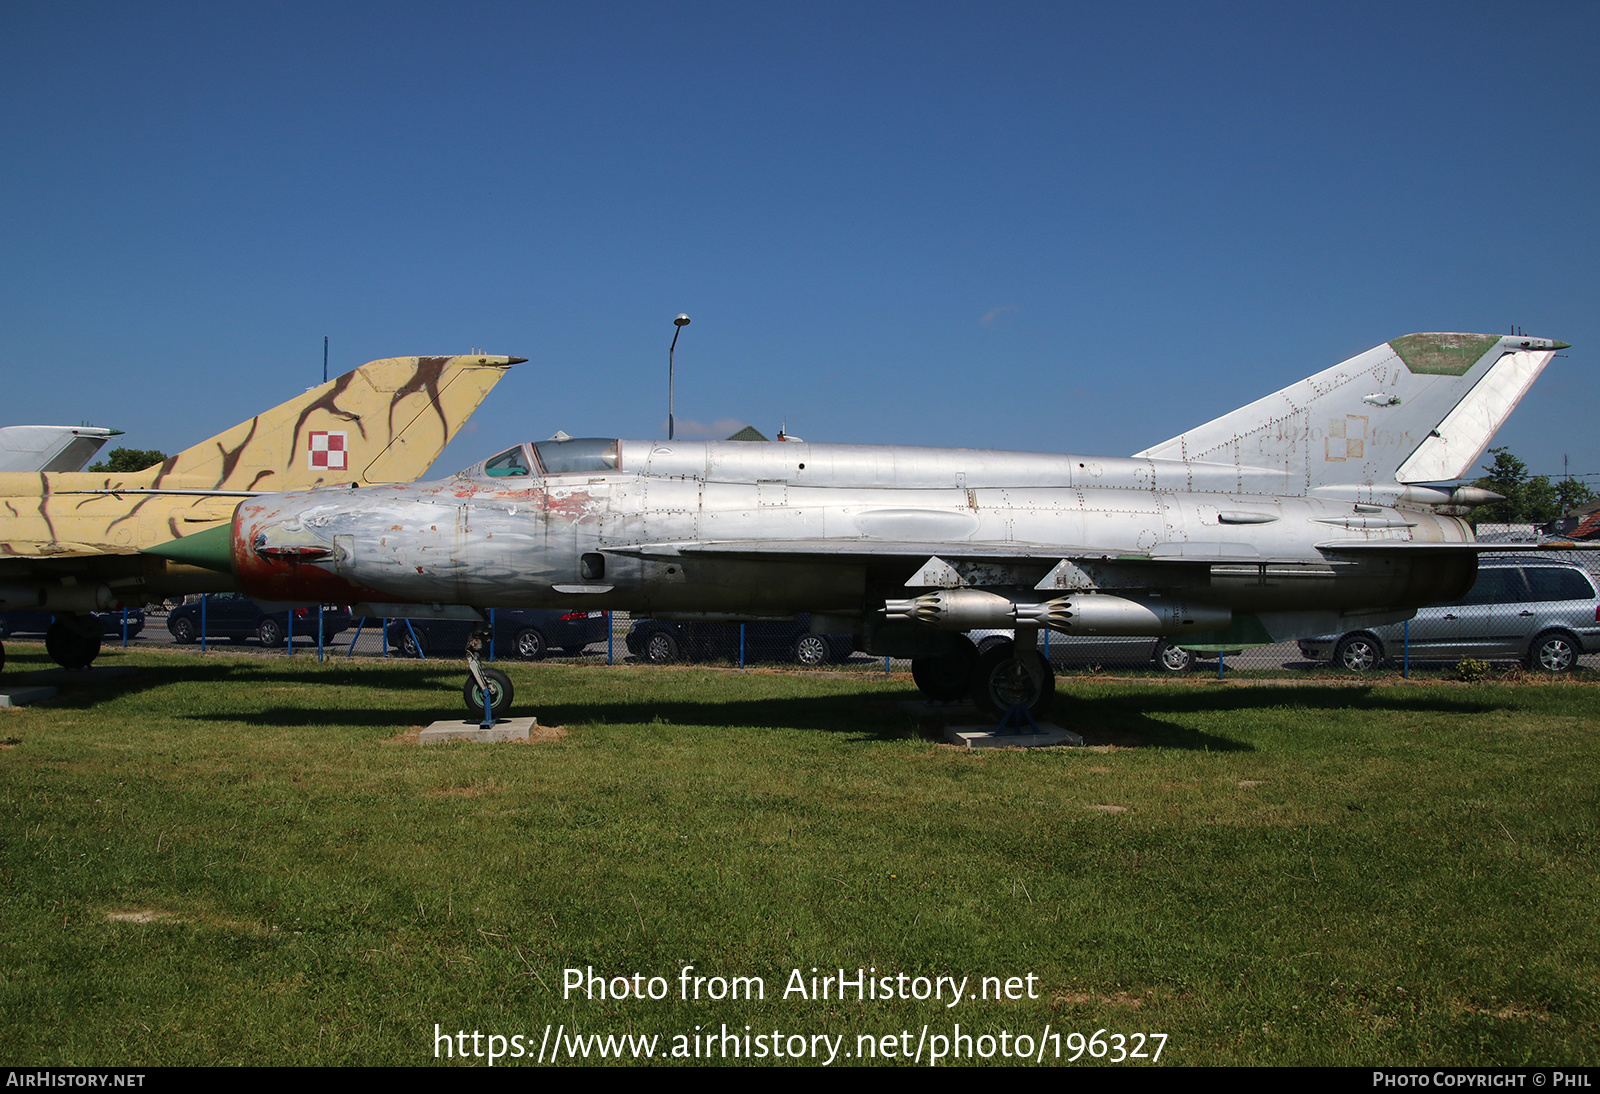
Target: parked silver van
1543,613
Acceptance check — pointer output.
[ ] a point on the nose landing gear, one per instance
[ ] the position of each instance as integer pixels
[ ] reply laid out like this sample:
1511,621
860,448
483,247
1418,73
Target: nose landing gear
487,691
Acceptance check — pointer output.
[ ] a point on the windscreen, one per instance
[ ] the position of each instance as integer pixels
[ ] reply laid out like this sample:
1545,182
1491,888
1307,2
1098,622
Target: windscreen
594,455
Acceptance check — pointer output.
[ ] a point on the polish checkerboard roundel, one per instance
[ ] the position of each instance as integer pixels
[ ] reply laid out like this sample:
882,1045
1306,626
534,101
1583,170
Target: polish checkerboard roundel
328,452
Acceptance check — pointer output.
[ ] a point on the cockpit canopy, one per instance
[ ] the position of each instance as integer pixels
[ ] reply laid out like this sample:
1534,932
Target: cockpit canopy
571,456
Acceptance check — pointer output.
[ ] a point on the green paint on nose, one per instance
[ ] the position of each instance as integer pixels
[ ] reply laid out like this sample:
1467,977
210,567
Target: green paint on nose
210,550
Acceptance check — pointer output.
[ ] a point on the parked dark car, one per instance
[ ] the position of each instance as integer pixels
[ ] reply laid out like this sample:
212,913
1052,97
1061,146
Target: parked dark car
526,633
1544,614
238,618
662,641
30,621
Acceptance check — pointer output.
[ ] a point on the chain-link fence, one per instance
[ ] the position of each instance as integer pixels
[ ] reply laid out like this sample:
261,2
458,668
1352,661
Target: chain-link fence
1435,642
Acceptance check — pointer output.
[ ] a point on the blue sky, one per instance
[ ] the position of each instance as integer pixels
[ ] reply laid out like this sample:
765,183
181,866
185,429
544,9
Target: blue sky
1053,227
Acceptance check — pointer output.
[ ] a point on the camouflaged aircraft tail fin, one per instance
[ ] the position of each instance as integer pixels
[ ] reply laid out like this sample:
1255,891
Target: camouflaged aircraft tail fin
1418,409
386,421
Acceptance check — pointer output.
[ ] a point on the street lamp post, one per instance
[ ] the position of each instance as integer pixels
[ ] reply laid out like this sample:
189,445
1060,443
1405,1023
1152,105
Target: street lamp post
680,322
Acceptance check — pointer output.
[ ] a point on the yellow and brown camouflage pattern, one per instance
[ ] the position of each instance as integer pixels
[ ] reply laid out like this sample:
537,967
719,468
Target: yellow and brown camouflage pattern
395,415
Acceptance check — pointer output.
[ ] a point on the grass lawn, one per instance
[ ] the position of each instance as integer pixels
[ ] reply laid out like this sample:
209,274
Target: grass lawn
230,859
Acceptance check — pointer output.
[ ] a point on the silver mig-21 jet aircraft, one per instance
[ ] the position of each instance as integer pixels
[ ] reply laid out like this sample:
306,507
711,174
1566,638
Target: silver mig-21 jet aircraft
1306,512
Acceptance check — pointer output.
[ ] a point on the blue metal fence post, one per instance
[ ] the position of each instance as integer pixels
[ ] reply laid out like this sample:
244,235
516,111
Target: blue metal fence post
741,645
1220,658
611,640
491,636
319,634
1405,646
202,622
361,625
124,628
288,638
386,636
886,666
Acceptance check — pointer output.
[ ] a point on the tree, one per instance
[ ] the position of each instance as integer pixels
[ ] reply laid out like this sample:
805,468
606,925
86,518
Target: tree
1571,493
123,460
1529,499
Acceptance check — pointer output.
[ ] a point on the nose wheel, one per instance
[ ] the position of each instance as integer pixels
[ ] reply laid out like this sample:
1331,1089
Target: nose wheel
498,686
487,691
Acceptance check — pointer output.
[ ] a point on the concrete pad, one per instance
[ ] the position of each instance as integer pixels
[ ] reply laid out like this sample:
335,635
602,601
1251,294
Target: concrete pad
506,729
1049,736
21,697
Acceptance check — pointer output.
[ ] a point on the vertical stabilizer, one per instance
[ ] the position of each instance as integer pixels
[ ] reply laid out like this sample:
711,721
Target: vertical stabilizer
386,421
1418,409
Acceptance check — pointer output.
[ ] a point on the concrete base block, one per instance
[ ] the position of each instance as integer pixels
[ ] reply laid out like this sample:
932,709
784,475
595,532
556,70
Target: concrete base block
21,697
1049,736
506,729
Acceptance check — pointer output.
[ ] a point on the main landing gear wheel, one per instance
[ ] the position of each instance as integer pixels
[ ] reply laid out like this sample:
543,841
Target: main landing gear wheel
948,678
1004,678
500,692
73,642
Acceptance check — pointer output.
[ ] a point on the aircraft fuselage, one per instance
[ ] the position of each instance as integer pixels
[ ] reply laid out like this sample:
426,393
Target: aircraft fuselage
752,530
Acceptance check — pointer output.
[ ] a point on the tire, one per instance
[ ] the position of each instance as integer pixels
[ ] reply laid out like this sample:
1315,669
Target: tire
1172,658
72,647
530,645
269,632
1358,653
662,648
991,642
1003,679
413,645
184,632
948,678
500,693
811,650
1553,651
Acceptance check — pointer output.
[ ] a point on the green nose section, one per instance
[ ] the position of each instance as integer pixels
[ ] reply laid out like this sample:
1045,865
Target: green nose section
210,550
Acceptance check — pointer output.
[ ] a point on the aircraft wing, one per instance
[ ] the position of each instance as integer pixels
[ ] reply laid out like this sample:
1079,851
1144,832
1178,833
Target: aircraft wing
836,549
